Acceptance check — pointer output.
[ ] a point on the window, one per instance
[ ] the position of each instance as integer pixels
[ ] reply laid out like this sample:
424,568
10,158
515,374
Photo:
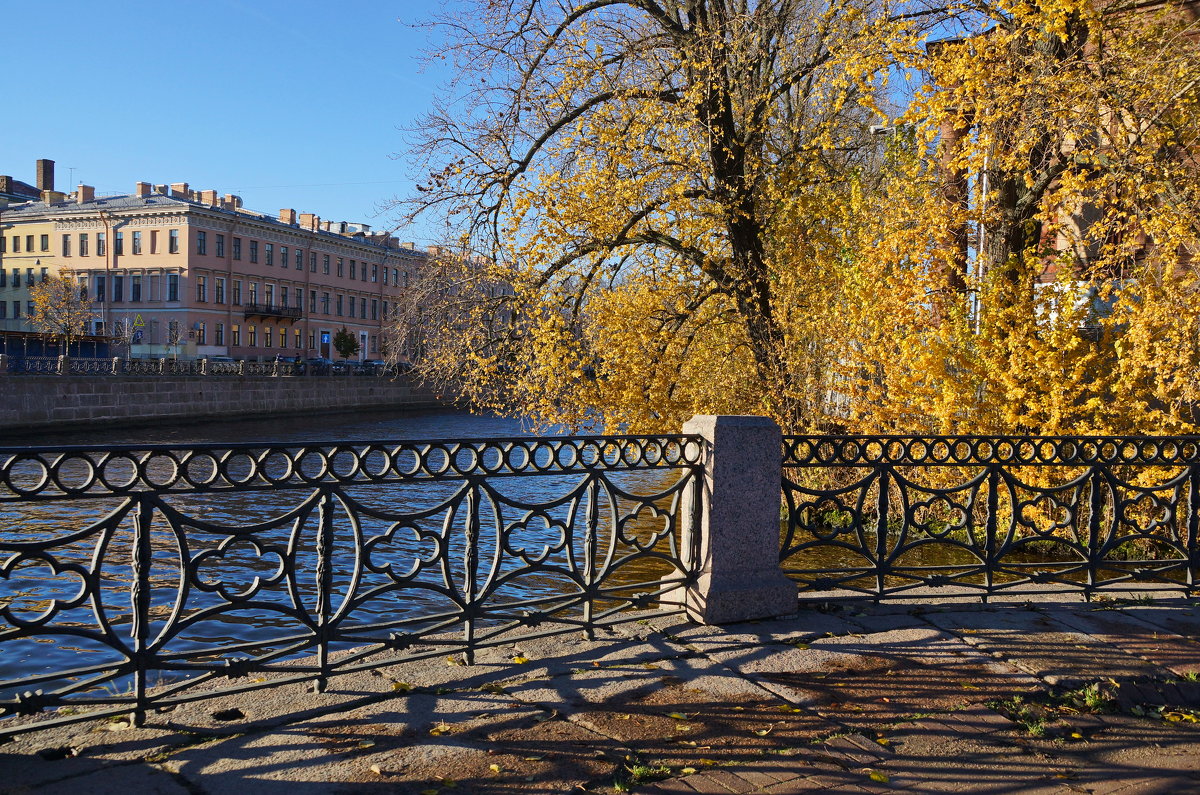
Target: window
16,277
83,244
253,292
202,334
135,287
267,336
3,278
99,289
283,297
254,251
362,308
153,241
325,303
252,333
202,243
298,338
325,264
220,291
45,275
137,243
351,306
3,244
375,273
312,301
282,337
235,334
29,276
3,310
118,287
100,244
374,308
237,292
269,251
202,289
45,244
283,256
66,245
172,286
153,288
220,245
237,248
312,261
17,244
395,277
353,269
299,260
119,244
16,309
219,334
269,294
374,344
339,305
385,312
173,241
341,269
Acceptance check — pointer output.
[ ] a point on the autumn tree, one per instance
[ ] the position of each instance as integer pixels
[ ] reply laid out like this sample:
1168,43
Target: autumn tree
60,308
1070,313
664,186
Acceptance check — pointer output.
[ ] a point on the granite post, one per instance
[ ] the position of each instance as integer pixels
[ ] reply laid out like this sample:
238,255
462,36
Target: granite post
739,574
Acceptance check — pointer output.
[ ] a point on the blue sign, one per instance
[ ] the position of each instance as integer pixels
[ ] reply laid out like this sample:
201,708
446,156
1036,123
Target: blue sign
324,337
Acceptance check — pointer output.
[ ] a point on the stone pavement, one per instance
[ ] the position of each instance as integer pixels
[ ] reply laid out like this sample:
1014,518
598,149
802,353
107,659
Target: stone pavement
1057,696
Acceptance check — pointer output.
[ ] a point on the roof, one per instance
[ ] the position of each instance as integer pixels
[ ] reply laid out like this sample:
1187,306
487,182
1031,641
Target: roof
21,190
157,200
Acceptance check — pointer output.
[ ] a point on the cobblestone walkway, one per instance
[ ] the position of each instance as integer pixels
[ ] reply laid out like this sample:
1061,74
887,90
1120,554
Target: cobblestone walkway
1057,696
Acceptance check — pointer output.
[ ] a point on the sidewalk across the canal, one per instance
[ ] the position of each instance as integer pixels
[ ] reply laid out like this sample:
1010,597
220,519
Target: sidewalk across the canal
1053,696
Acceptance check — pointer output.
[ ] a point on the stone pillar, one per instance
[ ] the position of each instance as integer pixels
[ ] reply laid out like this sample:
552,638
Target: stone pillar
739,574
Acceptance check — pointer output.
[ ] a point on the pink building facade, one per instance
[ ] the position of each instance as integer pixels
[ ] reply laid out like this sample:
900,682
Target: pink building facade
195,274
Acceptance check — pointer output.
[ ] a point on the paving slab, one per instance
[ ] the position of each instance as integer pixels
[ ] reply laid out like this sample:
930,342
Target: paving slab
1037,644
1131,634
884,678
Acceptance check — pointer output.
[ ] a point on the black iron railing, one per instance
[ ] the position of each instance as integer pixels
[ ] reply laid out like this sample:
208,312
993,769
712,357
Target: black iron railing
131,578
975,516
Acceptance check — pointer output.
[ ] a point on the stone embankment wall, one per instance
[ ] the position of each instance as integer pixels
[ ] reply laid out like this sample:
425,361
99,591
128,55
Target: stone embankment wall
31,402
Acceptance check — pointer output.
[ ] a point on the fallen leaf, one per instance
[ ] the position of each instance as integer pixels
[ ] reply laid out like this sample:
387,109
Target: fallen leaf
764,732
366,743
519,660
401,687
496,768
377,770
876,775
687,771
677,715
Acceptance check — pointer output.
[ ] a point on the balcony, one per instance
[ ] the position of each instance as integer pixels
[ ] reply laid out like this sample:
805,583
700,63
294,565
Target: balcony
270,310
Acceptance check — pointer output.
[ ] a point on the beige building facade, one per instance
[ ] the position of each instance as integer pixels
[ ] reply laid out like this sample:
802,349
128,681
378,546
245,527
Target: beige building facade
193,273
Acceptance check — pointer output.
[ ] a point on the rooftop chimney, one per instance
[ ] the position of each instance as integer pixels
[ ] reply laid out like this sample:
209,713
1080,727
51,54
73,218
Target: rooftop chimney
53,196
142,189
208,197
161,190
287,216
45,174
310,221
86,193
6,184
232,202
179,190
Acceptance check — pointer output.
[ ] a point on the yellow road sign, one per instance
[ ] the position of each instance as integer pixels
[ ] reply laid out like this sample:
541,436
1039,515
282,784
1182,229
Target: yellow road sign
138,322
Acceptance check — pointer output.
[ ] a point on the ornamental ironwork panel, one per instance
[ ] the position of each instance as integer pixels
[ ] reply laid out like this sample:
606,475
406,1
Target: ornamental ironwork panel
137,577
975,516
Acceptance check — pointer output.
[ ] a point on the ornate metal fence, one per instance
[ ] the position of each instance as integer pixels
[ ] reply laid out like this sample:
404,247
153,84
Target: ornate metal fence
891,515
133,577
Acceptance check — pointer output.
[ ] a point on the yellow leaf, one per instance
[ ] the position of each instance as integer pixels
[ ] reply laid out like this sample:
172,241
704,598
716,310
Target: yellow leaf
519,660
401,687
687,771
876,775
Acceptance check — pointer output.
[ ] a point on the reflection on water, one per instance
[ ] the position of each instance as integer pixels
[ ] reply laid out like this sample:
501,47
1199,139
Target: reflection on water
258,550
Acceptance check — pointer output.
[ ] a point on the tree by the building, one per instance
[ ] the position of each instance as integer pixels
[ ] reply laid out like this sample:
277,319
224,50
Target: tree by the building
61,308
345,343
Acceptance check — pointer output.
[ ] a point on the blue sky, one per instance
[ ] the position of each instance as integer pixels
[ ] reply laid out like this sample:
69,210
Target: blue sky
288,103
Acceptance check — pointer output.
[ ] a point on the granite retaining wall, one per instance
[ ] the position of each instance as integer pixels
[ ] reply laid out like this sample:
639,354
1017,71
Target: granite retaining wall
31,401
